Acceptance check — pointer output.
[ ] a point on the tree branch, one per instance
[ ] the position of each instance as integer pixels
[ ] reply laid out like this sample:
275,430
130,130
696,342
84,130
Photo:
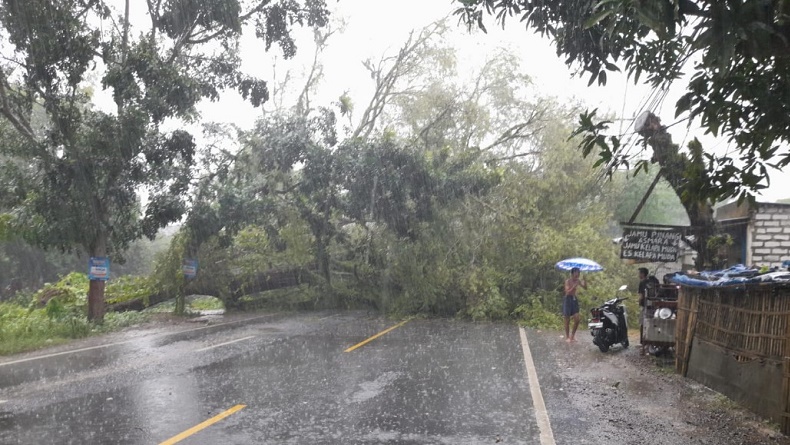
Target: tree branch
512,133
516,156
21,123
254,10
401,65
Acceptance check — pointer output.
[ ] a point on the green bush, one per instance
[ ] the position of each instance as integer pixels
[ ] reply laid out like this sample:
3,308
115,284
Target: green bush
57,313
71,289
534,314
26,328
127,288
484,301
204,303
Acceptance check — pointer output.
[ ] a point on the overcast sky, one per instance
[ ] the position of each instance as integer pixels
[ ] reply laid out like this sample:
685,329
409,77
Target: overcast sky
375,27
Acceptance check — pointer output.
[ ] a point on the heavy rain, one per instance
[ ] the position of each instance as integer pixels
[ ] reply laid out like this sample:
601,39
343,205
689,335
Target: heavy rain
365,222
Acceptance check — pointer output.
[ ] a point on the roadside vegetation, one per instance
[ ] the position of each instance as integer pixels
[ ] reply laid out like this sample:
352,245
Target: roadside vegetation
447,193
57,313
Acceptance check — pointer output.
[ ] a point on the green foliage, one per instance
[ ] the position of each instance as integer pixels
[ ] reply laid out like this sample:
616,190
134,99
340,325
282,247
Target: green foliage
387,183
739,54
484,301
128,287
77,170
25,327
6,227
662,207
23,266
534,314
717,244
205,303
168,278
420,281
53,314
71,289
193,304
430,217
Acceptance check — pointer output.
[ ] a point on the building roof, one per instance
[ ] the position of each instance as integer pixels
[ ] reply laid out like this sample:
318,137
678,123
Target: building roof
735,211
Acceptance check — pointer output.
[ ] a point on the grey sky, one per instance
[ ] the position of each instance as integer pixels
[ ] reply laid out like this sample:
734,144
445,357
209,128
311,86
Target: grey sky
375,27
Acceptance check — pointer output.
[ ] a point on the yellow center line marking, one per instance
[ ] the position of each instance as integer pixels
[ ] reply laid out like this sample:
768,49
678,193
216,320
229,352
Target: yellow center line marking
359,345
207,423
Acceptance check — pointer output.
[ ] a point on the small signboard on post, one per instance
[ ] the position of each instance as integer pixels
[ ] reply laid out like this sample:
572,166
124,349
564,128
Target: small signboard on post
189,267
650,246
99,268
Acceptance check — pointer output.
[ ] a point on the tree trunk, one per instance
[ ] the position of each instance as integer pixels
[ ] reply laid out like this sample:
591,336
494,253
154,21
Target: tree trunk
96,306
676,168
96,301
96,287
371,215
322,258
180,301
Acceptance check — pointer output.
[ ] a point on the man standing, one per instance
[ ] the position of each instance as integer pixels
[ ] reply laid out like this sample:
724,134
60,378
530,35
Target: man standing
643,280
570,304
643,272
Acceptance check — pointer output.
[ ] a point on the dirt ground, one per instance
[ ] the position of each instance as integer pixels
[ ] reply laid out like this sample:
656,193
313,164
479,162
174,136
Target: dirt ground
638,399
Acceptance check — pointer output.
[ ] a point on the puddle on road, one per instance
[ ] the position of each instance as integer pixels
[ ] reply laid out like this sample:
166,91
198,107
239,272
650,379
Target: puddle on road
370,390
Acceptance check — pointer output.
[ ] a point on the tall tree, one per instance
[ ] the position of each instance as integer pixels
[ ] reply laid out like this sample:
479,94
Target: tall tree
739,86
685,173
736,51
88,164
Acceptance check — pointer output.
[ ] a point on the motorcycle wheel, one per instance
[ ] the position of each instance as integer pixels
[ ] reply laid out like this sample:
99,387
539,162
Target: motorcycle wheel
600,341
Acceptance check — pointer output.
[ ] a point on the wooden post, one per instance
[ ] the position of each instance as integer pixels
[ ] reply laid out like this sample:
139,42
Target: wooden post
644,198
684,353
785,426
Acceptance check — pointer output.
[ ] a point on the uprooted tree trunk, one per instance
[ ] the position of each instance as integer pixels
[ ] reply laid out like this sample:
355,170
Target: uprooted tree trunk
684,173
273,279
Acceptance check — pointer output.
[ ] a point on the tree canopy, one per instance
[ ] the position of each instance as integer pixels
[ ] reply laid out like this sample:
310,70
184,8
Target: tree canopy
734,57
78,168
454,193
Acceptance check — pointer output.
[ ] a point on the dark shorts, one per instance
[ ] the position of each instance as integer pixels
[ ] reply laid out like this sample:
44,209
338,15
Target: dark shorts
570,306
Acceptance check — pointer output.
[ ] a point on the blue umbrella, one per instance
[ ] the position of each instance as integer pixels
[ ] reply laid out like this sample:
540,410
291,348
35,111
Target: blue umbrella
583,264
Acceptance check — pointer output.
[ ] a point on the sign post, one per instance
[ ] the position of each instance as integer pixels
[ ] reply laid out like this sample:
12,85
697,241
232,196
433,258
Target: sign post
189,268
99,268
650,246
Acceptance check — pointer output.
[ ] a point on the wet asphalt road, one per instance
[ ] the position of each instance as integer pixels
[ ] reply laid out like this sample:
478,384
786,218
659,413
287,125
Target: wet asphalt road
426,382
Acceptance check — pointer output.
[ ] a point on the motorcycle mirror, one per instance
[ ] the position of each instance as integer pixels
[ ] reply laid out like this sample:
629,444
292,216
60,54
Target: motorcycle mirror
623,287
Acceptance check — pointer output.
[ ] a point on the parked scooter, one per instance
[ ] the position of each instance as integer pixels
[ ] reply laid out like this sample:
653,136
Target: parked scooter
608,325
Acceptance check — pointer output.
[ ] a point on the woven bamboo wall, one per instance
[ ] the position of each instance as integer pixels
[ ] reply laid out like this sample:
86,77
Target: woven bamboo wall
749,323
